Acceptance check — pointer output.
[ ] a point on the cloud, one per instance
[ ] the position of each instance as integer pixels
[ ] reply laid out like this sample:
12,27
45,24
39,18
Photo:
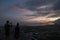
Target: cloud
33,4
57,5
55,13
41,7
22,10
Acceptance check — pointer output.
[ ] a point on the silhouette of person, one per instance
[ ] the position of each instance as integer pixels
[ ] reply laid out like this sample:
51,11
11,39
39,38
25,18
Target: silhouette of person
7,28
17,30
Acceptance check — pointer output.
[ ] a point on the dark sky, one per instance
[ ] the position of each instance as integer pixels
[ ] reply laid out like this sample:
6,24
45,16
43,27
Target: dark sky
23,10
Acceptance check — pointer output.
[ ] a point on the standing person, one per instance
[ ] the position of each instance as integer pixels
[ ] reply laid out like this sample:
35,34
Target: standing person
7,28
17,31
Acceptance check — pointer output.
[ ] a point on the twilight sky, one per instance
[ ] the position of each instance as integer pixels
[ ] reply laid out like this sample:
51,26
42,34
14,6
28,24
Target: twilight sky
29,12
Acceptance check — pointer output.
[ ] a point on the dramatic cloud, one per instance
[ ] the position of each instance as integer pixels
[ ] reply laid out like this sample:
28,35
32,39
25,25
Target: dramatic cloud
32,4
24,10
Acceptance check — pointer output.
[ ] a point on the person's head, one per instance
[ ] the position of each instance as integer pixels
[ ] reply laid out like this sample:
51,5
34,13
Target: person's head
7,21
17,24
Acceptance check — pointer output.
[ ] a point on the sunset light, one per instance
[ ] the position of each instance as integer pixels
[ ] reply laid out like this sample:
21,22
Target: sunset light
43,19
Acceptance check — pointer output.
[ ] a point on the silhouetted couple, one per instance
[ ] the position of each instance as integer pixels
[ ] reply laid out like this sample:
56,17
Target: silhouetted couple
7,29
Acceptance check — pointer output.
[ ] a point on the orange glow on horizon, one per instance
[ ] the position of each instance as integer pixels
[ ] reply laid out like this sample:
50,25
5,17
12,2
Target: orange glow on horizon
43,19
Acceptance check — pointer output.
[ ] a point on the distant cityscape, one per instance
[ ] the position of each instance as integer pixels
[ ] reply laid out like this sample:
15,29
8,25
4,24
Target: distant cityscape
19,32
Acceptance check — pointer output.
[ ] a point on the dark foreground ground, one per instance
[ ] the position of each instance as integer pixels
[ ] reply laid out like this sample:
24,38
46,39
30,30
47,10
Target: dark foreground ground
33,33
